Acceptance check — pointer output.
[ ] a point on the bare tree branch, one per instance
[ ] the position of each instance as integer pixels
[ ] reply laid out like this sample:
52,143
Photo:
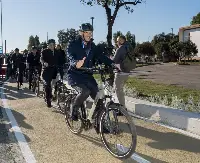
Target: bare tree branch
130,3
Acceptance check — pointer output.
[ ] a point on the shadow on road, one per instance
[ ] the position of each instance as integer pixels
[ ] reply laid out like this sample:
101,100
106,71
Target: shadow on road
97,142
20,119
12,93
169,140
7,135
166,140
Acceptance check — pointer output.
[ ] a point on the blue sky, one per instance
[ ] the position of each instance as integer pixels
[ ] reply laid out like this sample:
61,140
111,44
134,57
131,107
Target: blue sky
22,18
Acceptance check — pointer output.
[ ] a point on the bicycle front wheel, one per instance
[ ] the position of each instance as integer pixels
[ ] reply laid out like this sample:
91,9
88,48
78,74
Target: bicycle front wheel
110,121
76,127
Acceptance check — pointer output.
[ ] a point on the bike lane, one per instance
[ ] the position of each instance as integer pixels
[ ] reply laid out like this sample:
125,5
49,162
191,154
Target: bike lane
50,140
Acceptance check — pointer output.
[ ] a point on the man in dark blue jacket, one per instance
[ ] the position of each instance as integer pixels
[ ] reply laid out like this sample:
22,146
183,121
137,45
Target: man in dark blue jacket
82,52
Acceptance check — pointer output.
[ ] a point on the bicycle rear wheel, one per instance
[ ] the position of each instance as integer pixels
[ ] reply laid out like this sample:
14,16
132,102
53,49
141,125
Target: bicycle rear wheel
61,97
120,151
70,123
18,83
37,88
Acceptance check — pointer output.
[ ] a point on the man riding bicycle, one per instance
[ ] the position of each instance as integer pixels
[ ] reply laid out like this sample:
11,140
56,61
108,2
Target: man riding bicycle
18,65
61,60
82,52
33,63
49,60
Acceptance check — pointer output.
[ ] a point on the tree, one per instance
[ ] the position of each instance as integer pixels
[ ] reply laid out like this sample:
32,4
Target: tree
195,19
37,41
144,49
131,39
43,45
114,5
185,50
31,42
162,43
102,47
65,36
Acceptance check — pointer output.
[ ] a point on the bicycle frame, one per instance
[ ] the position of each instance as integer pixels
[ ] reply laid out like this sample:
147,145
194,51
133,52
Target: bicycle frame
100,95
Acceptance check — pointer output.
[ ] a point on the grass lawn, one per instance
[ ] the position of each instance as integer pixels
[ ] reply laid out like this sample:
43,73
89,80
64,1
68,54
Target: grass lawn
147,88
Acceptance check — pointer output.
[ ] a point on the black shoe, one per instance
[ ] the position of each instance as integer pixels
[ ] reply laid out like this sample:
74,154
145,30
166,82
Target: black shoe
48,103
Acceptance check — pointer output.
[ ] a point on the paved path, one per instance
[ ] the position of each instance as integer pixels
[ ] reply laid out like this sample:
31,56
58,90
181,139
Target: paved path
180,75
51,142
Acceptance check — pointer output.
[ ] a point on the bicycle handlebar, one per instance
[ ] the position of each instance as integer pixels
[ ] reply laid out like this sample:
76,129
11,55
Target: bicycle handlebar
98,69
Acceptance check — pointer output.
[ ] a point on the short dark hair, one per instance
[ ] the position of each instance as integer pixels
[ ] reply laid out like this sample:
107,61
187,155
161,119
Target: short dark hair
122,37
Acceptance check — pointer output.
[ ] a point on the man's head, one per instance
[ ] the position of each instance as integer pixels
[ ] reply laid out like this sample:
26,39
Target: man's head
86,31
58,46
51,44
17,51
121,40
34,49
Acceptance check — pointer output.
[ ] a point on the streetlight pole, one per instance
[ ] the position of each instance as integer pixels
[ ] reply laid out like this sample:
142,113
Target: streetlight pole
148,38
92,26
47,37
172,31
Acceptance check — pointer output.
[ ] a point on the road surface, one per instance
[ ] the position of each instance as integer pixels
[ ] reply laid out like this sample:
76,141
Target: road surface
50,141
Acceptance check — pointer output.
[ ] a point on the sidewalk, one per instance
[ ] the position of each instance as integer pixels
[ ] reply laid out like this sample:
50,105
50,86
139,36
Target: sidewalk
180,119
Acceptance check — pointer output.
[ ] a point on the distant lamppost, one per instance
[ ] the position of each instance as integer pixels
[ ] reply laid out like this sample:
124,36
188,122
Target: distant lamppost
172,31
92,25
148,38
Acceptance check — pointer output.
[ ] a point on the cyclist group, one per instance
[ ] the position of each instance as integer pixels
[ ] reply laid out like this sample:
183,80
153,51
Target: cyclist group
81,52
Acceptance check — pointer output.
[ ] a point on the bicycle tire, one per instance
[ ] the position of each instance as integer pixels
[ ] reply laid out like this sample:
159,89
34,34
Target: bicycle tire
61,109
17,78
37,89
69,101
17,85
132,130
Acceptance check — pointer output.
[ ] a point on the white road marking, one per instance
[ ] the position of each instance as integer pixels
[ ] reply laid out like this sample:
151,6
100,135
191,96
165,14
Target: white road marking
135,156
27,154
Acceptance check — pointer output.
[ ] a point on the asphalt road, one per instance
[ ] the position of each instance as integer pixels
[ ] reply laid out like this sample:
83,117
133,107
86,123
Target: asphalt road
51,141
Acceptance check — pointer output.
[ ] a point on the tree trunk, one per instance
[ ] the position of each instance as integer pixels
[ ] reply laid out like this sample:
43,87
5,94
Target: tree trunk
109,38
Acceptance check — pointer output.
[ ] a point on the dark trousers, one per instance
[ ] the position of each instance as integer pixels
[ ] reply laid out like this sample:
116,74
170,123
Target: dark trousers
89,88
20,75
47,75
61,72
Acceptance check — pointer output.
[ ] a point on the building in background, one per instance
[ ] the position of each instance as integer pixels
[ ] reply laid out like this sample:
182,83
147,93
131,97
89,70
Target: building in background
191,33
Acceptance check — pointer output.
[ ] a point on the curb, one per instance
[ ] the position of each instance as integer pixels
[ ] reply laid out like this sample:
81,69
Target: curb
180,119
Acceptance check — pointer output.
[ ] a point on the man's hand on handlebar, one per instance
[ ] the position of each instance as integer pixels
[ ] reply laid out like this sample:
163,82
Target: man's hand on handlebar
118,67
45,64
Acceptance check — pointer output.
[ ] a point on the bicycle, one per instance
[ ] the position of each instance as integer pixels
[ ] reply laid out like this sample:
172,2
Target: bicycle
60,95
99,114
35,82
